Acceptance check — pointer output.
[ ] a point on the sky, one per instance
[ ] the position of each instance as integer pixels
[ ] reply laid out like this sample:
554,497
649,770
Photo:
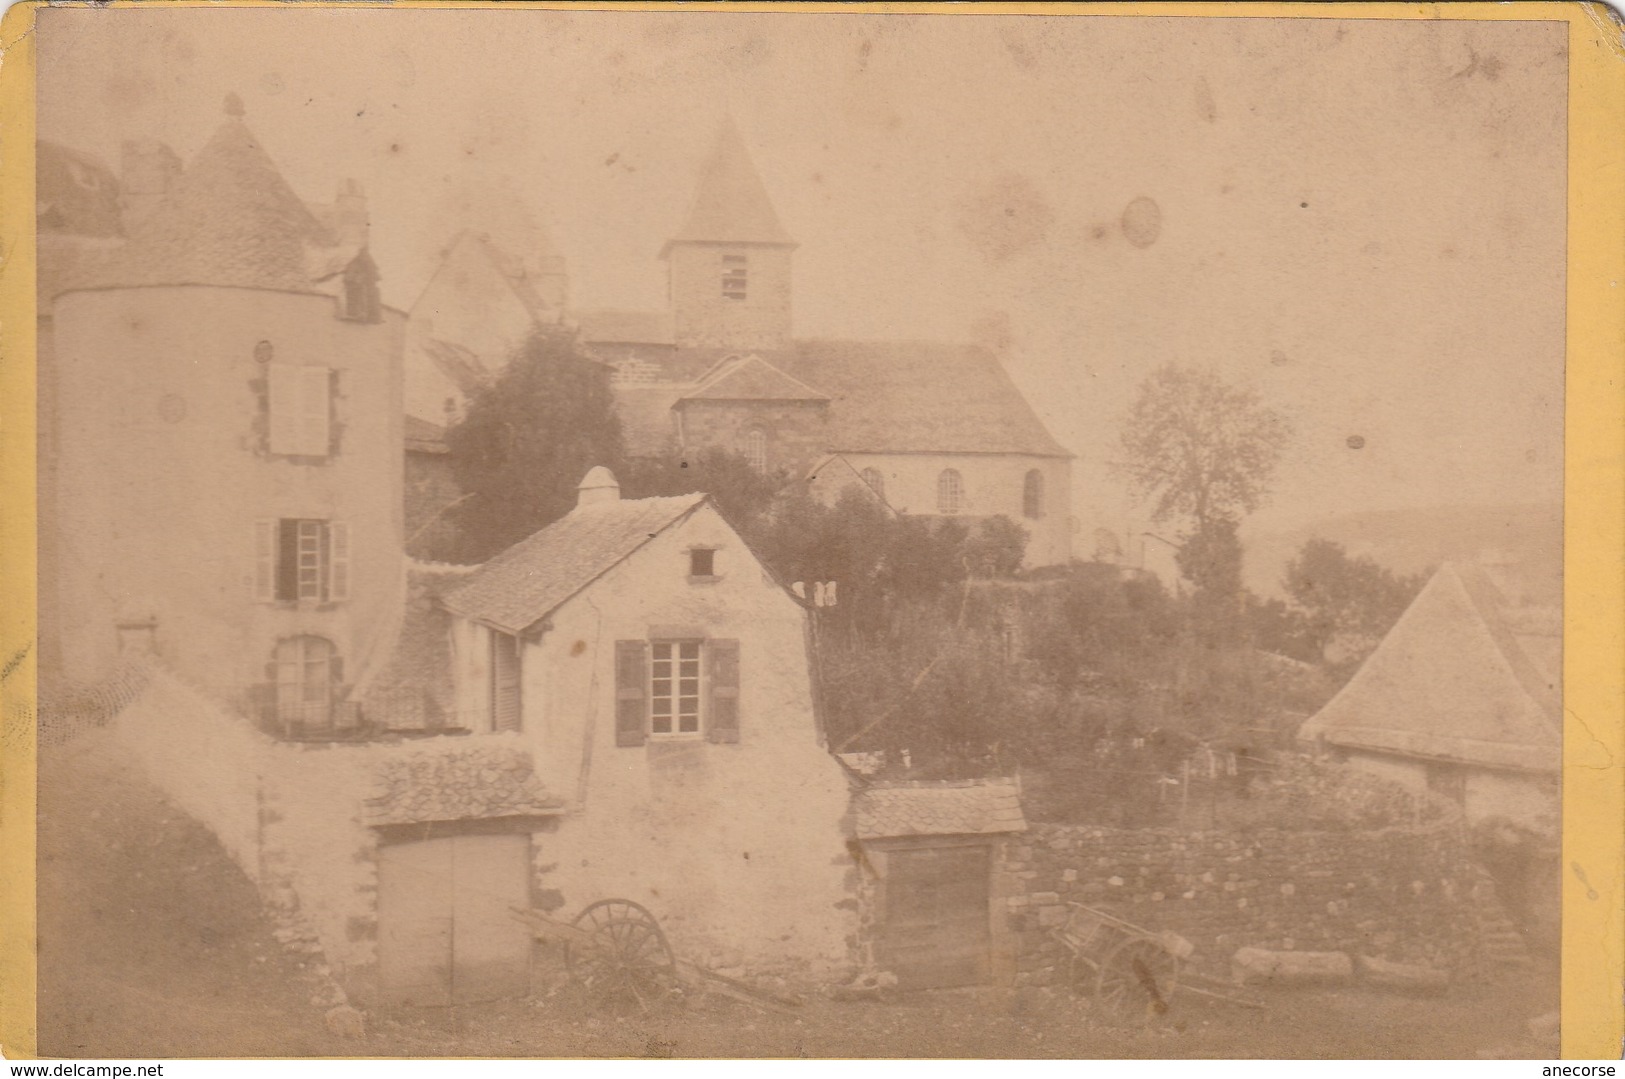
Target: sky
1364,220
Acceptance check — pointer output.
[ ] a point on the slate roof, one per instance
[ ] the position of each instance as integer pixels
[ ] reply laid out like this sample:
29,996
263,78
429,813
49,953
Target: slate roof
972,807
752,379
74,192
425,437
612,326
1450,681
229,219
525,583
730,203
463,780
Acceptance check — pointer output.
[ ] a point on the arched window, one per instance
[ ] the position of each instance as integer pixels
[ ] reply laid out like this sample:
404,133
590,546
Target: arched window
876,482
305,675
1032,494
950,492
756,448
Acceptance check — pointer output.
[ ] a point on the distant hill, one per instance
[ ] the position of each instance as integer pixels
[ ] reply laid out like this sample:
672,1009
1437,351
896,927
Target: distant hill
1412,541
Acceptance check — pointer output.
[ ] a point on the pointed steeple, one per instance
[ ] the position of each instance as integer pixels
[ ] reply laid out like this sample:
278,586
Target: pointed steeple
731,204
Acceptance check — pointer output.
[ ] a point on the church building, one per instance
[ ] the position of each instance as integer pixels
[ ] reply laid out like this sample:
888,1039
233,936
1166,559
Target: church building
931,429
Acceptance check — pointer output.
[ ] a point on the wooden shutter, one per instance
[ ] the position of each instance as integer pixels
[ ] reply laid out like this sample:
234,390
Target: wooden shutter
282,406
338,554
265,551
722,659
631,692
505,701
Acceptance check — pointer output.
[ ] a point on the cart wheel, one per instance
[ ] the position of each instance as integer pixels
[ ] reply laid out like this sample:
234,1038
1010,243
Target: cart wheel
1136,981
628,965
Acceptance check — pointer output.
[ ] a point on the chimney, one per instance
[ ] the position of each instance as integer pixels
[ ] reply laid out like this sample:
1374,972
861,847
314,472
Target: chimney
350,214
148,168
597,488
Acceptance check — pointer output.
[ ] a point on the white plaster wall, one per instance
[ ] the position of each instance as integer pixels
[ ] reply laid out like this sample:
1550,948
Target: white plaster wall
739,849
993,485
205,760
159,482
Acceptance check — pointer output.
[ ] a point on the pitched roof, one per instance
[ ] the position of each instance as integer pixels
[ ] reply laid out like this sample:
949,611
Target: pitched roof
425,437
74,192
918,397
614,326
228,219
970,807
731,203
1450,681
751,379
525,583
460,779
518,273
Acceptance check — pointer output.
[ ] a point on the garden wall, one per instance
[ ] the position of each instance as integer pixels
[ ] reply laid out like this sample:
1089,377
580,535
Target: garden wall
1403,893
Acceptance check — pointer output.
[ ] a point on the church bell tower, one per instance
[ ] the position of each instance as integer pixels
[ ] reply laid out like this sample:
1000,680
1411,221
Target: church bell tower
728,267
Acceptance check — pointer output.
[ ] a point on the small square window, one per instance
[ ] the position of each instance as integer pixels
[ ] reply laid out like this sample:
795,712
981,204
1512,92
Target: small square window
702,562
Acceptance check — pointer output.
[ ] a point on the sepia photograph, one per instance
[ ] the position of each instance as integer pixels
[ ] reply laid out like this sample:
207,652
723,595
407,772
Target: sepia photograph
745,533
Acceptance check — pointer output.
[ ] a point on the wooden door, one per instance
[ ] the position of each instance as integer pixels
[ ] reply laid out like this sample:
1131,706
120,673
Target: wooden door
936,916
445,934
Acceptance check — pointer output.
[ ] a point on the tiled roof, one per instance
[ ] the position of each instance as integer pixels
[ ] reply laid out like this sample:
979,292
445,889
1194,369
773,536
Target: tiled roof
885,397
523,584
752,379
425,437
1450,681
731,203
228,219
613,326
74,192
973,807
917,397
460,780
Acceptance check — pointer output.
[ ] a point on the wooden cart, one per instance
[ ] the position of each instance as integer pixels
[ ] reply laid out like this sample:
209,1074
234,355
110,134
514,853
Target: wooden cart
616,951
1130,971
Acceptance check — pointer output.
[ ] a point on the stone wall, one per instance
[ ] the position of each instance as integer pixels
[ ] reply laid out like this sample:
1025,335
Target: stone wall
1401,893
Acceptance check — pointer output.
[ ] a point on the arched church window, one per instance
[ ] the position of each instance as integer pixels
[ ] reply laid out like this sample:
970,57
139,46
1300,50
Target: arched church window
876,482
950,492
1032,494
756,448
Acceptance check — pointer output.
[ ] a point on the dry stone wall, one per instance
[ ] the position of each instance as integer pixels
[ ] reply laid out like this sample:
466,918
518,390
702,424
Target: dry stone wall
1399,893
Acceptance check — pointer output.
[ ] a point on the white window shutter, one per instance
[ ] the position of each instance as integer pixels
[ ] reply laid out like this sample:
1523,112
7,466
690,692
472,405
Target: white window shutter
265,544
338,571
282,407
315,404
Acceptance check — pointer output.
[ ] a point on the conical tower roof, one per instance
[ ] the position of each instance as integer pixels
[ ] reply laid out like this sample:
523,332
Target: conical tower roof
229,219
731,203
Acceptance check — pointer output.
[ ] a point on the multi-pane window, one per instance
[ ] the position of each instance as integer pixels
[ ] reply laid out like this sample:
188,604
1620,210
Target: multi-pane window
301,559
876,482
306,675
735,277
299,403
1032,494
950,492
674,687
756,449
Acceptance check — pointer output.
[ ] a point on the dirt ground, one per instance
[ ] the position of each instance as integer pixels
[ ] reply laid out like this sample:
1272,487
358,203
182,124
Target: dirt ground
152,944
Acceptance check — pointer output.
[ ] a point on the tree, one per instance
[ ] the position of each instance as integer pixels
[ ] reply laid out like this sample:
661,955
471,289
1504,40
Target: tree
526,441
1347,604
1203,449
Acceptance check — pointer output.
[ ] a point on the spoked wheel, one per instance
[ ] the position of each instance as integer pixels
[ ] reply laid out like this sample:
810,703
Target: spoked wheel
1136,982
627,965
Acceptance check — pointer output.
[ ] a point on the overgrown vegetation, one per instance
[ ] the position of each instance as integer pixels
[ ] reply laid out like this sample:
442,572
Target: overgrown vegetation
935,653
